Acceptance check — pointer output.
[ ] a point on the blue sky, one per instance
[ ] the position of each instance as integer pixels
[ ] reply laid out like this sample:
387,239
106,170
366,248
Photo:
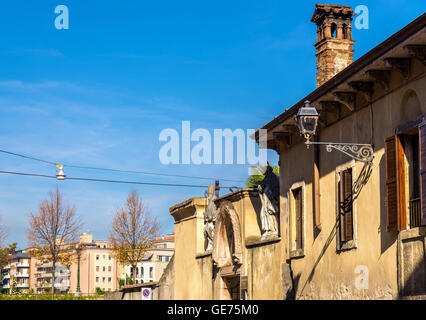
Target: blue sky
99,93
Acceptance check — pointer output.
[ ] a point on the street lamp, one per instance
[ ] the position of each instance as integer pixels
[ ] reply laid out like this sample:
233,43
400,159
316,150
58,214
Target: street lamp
60,175
307,121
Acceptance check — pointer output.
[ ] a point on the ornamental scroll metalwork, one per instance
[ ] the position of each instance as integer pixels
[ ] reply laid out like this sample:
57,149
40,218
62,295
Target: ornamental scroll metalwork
360,152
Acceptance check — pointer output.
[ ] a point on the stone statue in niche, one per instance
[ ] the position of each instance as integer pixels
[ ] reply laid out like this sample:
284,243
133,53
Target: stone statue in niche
269,193
210,218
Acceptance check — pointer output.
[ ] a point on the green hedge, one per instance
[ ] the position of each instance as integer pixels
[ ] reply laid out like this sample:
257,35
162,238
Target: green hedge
46,296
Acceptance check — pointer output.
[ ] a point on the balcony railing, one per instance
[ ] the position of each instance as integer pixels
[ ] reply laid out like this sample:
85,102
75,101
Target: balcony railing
23,265
22,275
43,275
415,213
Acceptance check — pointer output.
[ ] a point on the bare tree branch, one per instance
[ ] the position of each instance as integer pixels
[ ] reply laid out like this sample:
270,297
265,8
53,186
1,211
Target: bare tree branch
54,231
133,231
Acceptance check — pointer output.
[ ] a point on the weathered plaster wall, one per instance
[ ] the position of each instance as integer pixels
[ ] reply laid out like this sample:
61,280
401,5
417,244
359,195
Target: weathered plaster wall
189,238
165,288
264,272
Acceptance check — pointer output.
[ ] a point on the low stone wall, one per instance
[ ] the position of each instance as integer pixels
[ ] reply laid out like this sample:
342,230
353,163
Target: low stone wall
131,292
116,295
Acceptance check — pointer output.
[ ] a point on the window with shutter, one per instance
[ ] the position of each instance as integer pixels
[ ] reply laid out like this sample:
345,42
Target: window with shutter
346,206
395,184
298,215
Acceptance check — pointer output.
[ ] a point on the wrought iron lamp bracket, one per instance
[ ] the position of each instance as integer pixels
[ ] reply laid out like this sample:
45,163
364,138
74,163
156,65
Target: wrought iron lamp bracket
357,151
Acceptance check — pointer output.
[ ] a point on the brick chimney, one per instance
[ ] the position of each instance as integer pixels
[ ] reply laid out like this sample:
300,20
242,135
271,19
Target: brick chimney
334,40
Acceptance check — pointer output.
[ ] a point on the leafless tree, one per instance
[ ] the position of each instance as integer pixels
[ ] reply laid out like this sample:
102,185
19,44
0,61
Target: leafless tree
53,231
133,231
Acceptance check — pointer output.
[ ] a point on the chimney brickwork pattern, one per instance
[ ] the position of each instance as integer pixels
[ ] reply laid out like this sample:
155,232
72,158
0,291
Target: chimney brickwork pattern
334,40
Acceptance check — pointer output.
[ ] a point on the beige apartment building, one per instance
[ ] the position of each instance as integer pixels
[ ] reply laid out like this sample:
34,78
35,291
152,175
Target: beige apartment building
156,259
93,265
351,221
97,265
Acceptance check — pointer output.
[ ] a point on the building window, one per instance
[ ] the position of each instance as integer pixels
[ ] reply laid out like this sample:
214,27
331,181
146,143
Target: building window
103,279
109,268
97,279
151,271
109,279
297,195
345,206
167,258
97,257
97,268
103,269
297,220
405,179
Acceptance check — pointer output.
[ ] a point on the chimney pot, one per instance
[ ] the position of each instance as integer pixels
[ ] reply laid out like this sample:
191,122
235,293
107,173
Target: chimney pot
335,45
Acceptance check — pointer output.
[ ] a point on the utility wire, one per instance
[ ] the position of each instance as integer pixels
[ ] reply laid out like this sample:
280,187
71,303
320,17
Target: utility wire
150,173
116,170
111,181
27,157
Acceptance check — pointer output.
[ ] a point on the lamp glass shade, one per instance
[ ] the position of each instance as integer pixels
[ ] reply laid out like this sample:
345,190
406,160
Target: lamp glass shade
307,121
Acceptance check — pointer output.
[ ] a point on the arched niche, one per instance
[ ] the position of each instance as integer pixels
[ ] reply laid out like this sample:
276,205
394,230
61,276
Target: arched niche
227,237
410,107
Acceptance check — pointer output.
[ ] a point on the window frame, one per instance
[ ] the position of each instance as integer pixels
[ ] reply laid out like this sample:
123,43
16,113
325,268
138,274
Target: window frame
350,244
297,252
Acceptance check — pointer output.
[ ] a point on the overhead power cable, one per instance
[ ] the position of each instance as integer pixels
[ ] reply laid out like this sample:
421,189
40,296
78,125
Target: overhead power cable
116,170
27,157
110,181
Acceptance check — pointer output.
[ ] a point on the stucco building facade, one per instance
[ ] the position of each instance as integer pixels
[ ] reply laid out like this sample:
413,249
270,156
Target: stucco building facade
155,260
97,264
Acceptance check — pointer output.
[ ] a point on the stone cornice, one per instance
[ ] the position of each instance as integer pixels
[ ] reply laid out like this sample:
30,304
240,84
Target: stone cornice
237,195
327,9
188,208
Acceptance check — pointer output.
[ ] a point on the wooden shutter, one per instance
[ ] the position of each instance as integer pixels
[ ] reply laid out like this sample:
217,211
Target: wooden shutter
298,214
346,205
422,149
347,183
395,184
391,188
341,207
316,188
400,169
